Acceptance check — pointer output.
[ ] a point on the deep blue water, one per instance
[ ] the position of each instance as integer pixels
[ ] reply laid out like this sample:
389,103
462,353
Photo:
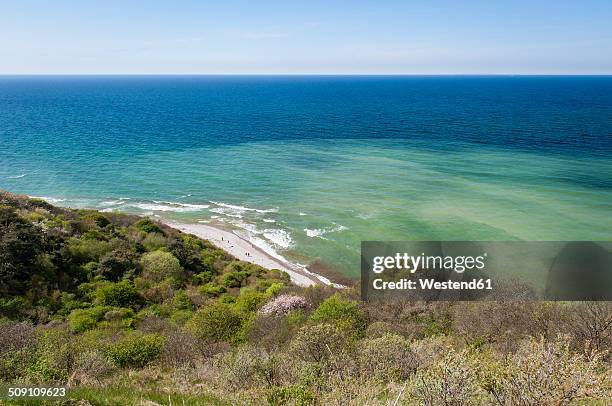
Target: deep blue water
333,159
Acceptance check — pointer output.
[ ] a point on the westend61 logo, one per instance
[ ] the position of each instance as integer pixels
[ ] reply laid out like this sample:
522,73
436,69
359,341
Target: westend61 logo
492,270
413,263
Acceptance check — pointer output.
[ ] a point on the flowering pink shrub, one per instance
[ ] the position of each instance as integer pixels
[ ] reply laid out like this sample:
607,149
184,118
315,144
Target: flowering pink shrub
283,304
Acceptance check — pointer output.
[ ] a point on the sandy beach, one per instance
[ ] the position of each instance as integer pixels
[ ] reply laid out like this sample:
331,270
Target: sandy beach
246,251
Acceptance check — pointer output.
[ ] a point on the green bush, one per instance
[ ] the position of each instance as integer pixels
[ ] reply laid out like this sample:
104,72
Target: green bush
249,300
234,279
98,218
274,289
120,294
386,358
343,313
203,277
114,265
148,226
318,343
136,350
181,300
81,320
86,250
450,381
211,290
12,308
219,322
154,241
548,373
159,265
291,395
181,317
53,358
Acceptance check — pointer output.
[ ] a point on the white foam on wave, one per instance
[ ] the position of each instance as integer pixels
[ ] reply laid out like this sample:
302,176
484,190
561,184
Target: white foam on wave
316,232
279,237
265,246
243,208
302,214
269,221
188,205
49,199
17,176
167,206
269,249
226,212
251,228
111,203
320,232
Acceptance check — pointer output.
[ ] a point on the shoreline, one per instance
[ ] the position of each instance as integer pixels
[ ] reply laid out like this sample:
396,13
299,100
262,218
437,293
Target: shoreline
238,246
245,250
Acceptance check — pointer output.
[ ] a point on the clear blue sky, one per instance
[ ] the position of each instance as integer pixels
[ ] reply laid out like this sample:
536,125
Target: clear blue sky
308,36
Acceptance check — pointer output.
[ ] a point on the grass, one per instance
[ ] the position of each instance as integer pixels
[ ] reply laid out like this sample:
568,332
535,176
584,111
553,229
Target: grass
121,396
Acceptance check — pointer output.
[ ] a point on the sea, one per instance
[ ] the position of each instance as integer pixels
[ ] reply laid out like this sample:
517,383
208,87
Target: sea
307,167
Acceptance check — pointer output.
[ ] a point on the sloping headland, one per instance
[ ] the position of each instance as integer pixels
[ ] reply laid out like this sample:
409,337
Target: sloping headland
122,310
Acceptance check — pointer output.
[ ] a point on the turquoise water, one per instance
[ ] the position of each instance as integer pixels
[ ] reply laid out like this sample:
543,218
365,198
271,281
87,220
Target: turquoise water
310,166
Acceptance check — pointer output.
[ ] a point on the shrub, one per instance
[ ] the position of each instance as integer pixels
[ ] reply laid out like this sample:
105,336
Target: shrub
219,322
548,374
234,279
451,381
120,294
120,316
291,395
148,226
387,358
274,288
12,308
343,313
251,367
81,320
203,277
491,321
249,300
272,332
86,250
181,317
16,336
136,350
589,324
318,343
91,366
98,218
115,264
283,304
211,290
181,300
54,357
154,241
17,346
159,265
182,348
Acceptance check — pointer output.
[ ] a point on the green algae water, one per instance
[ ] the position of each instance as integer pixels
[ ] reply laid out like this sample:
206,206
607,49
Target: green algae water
308,167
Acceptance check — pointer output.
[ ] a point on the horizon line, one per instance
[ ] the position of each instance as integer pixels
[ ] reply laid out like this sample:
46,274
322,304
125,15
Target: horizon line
305,74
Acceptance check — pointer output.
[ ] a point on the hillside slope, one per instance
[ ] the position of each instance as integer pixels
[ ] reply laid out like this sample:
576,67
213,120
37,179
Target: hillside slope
126,311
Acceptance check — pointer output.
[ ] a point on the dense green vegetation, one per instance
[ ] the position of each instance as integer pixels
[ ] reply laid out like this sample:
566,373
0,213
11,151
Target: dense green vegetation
128,311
